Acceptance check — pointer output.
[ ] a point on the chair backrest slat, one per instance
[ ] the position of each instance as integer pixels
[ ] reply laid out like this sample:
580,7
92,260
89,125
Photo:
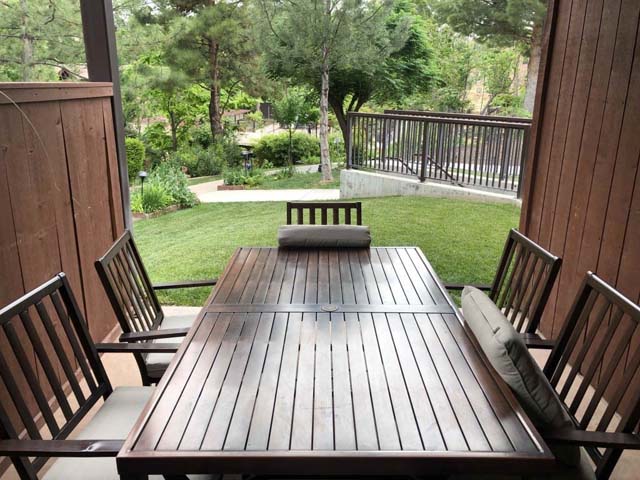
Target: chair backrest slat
43,358
524,279
130,291
128,287
31,378
334,207
44,331
595,365
60,352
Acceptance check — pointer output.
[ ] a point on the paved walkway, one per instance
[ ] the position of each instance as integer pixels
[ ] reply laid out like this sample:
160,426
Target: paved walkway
292,195
208,192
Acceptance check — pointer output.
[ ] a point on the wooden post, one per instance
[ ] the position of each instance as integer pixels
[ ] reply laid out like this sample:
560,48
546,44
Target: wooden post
425,144
349,142
102,63
523,158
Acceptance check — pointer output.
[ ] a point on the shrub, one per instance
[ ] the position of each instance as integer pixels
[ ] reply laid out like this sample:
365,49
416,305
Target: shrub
210,161
275,148
200,134
154,198
157,142
239,176
185,157
135,151
230,151
170,177
256,119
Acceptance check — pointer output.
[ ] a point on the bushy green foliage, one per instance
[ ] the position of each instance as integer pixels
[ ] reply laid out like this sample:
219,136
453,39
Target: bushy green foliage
170,176
166,185
510,105
153,198
240,176
256,118
135,155
202,159
200,134
275,148
209,161
157,142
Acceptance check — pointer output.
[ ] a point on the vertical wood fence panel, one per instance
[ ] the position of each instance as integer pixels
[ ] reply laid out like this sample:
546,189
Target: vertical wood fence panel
60,201
583,200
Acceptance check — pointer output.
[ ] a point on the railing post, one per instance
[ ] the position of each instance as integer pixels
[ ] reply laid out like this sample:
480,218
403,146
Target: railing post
423,159
348,145
523,158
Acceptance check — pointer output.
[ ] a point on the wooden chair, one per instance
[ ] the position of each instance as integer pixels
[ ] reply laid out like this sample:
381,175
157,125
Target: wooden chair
136,305
595,370
324,208
522,284
47,354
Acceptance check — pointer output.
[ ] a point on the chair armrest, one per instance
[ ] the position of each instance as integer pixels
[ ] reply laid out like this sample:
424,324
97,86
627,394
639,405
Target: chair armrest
533,340
570,436
60,448
137,347
153,334
185,284
460,286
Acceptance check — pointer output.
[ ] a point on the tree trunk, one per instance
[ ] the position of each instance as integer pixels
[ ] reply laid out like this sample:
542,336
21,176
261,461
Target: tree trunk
215,112
532,68
174,130
325,160
337,105
27,43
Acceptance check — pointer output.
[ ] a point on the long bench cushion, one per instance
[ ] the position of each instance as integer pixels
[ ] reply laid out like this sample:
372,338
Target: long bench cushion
113,421
157,363
321,236
510,357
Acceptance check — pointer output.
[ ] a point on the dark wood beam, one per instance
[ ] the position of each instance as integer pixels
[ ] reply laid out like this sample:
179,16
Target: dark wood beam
102,62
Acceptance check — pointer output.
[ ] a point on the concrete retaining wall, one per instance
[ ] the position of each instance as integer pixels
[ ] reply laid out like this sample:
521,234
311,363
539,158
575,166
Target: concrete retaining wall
360,184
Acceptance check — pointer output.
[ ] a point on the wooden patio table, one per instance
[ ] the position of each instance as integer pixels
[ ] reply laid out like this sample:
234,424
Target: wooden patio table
331,362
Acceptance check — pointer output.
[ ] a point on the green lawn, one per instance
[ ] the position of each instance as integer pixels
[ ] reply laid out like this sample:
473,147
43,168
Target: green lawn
198,180
300,180
463,240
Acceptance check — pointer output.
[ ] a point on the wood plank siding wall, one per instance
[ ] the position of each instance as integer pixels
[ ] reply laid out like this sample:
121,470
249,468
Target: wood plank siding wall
60,202
582,199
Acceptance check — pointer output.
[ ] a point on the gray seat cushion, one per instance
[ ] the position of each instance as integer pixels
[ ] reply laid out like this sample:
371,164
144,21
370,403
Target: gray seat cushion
320,236
157,363
113,421
510,357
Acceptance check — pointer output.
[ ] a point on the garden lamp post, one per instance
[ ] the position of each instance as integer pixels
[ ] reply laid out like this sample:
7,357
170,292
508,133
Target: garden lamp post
143,175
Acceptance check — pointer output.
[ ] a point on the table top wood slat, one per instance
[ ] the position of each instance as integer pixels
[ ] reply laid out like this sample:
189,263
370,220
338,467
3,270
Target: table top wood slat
336,361
280,427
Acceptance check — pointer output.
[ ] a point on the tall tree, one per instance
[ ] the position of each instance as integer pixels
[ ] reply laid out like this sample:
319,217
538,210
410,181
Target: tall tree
291,109
402,68
503,22
452,66
309,40
211,44
38,39
498,68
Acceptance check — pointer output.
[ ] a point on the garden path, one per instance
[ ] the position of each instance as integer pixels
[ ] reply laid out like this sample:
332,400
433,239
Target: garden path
208,192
